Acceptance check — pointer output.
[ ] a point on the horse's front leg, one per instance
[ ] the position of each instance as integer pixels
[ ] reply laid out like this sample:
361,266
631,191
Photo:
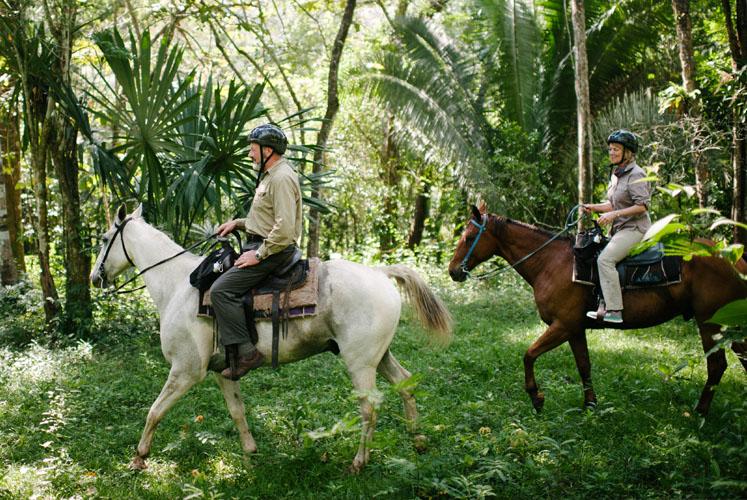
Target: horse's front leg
581,353
555,335
232,394
716,363
177,384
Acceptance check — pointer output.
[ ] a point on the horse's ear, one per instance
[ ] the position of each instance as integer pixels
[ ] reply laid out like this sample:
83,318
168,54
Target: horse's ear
121,213
476,213
483,207
138,212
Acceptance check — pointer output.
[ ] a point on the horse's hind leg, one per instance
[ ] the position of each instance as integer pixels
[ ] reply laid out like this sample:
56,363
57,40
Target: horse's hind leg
553,337
364,381
391,370
177,384
580,351
232,395
716,363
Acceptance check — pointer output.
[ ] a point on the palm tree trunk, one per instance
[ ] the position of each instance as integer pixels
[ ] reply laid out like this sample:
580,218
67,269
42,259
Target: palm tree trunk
333,104
681,9
583,109
738,48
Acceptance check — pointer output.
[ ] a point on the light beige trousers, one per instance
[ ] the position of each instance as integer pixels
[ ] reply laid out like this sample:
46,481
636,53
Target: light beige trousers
615,251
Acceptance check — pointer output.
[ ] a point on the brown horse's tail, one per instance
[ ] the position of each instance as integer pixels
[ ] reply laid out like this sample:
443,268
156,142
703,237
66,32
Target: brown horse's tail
429,309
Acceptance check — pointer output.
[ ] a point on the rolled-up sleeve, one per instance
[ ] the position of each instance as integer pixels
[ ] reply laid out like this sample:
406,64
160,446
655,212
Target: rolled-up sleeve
639,189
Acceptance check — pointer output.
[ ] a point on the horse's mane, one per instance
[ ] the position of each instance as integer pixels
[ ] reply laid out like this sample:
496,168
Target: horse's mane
544,232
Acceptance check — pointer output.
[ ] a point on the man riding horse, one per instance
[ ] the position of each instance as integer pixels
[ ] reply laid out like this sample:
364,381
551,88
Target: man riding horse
274,226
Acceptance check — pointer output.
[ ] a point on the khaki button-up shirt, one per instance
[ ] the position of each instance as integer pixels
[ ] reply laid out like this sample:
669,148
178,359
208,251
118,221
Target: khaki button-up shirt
276,212
626,189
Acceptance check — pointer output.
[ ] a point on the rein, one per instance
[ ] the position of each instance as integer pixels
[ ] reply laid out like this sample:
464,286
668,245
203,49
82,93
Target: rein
120,232
569,223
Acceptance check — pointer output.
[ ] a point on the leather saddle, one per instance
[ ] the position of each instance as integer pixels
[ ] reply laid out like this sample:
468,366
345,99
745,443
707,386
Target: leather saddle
648,268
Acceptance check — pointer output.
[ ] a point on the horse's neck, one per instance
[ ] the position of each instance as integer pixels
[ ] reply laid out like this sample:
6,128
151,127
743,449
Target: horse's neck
146,246
517,240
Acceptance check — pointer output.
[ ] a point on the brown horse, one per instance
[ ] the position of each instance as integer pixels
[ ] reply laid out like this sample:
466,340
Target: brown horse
707,284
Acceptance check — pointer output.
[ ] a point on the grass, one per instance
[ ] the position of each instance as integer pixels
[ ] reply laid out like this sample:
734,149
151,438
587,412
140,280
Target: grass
72,416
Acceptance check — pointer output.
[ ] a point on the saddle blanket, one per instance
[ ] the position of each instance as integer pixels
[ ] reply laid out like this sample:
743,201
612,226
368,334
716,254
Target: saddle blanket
302,301
667,271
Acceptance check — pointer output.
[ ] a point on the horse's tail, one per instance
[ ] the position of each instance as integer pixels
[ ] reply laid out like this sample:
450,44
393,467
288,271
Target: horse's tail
429,309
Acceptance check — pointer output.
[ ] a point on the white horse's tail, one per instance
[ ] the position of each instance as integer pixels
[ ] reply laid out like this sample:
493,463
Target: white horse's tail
429,309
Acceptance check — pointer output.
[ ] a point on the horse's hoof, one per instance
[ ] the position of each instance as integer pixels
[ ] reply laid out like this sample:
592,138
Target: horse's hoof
138,464
538,401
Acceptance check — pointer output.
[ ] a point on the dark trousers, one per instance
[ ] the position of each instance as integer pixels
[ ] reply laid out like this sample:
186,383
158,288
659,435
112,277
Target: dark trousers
228,290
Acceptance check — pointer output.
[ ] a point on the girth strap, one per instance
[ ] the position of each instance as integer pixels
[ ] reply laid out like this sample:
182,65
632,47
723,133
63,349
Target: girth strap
275,327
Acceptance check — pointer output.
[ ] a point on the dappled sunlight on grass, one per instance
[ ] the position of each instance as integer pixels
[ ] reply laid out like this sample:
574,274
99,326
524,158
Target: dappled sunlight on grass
37,364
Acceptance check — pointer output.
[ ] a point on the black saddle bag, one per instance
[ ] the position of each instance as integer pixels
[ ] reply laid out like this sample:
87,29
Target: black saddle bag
589,243
214,264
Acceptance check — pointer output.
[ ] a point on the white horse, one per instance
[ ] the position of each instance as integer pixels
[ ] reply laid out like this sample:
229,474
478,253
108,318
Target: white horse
358,309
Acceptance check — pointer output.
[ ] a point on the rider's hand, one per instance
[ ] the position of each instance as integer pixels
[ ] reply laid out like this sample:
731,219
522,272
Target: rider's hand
607,218
247,259
227,227
586,208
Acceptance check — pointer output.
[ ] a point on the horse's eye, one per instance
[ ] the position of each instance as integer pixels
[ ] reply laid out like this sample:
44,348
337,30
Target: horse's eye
104,240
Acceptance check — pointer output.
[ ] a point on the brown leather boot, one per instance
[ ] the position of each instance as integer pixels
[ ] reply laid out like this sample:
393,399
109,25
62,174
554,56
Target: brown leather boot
241,364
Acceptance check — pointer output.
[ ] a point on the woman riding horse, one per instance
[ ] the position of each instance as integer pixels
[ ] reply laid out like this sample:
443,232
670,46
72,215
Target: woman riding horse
626,211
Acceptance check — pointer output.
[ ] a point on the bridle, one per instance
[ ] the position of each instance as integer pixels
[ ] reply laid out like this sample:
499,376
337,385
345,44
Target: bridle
569,223
120,231
480,229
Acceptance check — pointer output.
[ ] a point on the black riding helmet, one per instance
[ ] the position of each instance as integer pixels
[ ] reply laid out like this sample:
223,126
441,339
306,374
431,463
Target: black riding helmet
271,136
624,137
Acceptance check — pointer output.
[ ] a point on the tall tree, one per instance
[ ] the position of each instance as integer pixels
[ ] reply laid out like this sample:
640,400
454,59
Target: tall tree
691,111
333,105
24,42
8,271
10,165
583,107
61,18
736,28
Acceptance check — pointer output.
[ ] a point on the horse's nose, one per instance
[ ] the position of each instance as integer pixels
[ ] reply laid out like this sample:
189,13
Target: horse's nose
457,274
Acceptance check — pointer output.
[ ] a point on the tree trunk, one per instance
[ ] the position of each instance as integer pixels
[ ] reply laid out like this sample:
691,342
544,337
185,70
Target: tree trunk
8,271
738,48
63,150
41,224
11,174
77,313
681,9
333,104
583,106
422,209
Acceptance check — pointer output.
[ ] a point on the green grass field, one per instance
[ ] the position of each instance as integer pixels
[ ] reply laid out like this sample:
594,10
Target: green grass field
71,418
